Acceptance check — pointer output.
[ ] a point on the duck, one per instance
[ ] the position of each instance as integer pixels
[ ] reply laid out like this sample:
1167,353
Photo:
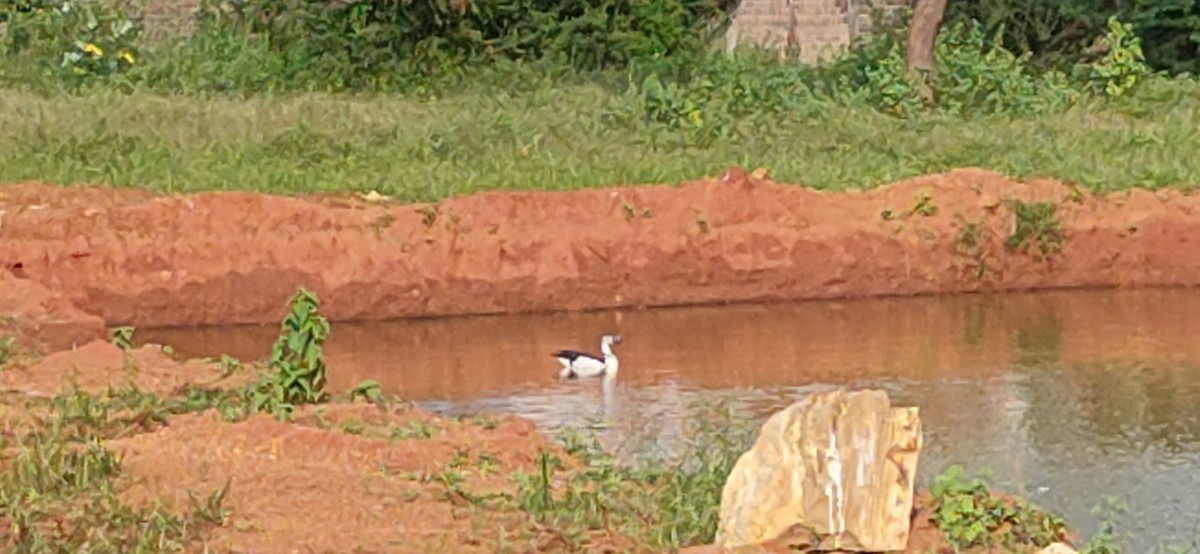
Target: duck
578,364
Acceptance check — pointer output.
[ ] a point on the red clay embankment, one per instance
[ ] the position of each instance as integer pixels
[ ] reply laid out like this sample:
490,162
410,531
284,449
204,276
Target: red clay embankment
133,257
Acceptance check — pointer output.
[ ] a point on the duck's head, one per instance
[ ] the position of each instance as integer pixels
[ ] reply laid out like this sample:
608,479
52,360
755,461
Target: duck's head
611,339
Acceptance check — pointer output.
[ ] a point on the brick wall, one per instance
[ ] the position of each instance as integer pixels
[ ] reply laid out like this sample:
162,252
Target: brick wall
814,29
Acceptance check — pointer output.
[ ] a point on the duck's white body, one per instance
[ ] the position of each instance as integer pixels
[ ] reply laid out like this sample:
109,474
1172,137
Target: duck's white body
578,364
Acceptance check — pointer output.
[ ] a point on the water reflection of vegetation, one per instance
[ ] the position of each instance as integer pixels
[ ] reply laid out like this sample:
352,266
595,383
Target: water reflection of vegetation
1124,409
1139,406
1040,342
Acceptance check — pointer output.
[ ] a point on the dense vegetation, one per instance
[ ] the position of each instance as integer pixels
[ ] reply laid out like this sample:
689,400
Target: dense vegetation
1058,32
424,99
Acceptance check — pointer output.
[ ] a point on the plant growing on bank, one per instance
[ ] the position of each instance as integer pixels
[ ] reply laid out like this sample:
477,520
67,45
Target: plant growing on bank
122,337
369,390
8,348
969,516
1036,225
659,504
57,490
297,361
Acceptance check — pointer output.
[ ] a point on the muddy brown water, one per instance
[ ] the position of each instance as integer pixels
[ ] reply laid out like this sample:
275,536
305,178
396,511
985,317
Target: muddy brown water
1067,397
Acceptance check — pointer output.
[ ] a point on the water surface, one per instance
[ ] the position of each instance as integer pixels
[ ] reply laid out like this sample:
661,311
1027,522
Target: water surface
1067,397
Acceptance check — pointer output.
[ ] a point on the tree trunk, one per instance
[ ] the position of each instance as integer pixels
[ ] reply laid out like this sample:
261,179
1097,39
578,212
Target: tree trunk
922,34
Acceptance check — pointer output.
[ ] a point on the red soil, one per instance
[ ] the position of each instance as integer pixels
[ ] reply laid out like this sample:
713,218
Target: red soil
98,365
309,487
40,317
149,260
75,259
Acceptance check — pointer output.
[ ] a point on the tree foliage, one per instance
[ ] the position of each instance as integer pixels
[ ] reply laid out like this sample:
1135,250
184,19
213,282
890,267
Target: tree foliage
1060,33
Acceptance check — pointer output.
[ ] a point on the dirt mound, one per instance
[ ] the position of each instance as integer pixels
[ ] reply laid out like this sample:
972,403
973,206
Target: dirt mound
41,318
300,488
98,365
220,258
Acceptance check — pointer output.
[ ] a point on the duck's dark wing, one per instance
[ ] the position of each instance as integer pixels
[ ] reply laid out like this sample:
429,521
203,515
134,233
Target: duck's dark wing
572,355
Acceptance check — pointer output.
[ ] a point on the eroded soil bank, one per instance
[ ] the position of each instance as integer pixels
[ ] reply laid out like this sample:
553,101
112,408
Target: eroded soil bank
77,259
85,256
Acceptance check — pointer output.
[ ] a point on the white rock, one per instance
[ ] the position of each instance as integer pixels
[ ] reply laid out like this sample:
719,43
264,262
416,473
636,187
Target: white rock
840,463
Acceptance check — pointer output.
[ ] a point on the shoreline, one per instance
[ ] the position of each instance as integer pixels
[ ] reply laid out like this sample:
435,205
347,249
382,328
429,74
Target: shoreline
78,259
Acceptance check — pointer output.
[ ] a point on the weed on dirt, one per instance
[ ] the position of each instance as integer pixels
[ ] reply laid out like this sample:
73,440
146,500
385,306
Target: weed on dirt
971,241
1035,226
122,337
652,504
57,486
8,347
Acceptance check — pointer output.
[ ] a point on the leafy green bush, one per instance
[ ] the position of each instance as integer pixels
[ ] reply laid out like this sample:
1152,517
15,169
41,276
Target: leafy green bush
75,41
974,75
215,59
969,516
1123,64
1064,33
298,361
383,43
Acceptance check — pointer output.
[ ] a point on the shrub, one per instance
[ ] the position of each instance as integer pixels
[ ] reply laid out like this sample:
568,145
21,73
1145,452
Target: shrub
1064,33
75,41
382,43
298,361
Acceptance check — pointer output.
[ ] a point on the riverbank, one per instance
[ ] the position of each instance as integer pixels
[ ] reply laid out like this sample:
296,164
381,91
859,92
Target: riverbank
79,261
79,258
169,456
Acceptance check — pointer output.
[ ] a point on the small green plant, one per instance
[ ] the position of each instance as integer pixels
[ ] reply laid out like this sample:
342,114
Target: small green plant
487,422
297,361
971,242
122,337
629,211
8,349
229,365
369,390
416,429
923,205
1123,64
1105,540
969,516
1035,225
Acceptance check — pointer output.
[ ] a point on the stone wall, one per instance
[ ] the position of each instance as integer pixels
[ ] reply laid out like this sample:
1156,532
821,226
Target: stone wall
813,29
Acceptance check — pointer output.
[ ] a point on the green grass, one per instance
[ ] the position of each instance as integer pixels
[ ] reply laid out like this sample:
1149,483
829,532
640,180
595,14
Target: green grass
562,138
655,502
59,483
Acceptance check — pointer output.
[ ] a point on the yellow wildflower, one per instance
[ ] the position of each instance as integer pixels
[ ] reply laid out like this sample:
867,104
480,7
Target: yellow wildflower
92,49
127,56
